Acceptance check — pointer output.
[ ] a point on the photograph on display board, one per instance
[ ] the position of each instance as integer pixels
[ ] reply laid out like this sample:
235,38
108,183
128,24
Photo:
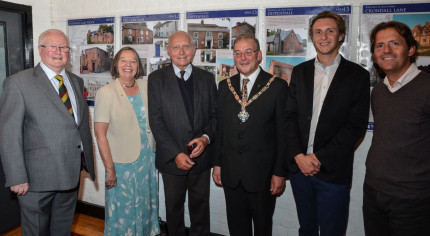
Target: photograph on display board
282,66
86,32
96,59
226,68
291,42
158,63
209,33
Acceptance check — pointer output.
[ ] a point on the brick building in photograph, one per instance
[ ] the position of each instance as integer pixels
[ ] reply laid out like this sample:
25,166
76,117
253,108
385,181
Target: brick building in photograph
281,70
95,60
284,42
208,36
136,33
99,37
422,34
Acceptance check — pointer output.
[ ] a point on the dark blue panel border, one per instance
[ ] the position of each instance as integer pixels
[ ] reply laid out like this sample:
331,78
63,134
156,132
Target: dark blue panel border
396,8
343,9
91,21
155,17
222,14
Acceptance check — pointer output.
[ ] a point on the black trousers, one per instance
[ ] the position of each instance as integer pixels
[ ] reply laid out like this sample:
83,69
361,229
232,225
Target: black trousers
386,215
245,208
175,189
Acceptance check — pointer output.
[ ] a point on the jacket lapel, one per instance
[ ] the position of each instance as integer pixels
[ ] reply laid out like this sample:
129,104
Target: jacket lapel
78,94
308,82
259,83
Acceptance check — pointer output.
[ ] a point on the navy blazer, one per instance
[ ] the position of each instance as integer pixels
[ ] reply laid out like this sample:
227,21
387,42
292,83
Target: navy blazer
169,120
342,121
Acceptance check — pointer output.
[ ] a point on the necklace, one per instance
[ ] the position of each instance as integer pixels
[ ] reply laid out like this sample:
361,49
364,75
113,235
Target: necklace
243,114
125,86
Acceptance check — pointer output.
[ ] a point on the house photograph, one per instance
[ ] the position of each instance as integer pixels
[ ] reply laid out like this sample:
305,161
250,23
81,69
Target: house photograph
163,29
286,42
95,59
103,35
282,66
245,25
420,26
226,68
136,33
209,33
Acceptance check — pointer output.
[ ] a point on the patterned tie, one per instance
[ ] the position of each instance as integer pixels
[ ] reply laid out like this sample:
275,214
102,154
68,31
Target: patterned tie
62,91
245,91
182,75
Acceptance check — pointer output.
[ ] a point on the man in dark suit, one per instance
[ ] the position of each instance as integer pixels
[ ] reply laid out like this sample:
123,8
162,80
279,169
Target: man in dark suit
251,140
182,110
327,113
44,123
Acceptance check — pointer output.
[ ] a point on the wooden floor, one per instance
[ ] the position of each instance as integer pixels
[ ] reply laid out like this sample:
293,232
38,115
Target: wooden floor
82,225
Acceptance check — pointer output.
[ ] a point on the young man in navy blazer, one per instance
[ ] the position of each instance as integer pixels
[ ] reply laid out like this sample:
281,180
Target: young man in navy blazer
327,113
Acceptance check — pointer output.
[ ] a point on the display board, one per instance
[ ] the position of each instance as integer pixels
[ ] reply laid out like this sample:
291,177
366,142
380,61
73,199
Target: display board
214,32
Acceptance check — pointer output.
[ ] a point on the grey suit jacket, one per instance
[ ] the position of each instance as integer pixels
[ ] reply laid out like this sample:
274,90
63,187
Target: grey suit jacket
40,142
169,121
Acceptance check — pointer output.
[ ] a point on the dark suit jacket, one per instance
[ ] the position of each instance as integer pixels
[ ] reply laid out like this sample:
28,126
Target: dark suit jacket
342,121
169,121
40,142
252,151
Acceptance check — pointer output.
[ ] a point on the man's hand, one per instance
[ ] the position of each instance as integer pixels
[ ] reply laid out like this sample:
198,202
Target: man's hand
183,161
277,185
309,164
20,189
201,143
110,178
216,175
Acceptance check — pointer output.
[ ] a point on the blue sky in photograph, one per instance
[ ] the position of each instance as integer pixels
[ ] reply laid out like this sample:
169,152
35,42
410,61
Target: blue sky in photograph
412,19
226,61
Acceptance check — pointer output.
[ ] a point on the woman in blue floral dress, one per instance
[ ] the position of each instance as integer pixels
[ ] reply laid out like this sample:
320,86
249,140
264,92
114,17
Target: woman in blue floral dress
126,146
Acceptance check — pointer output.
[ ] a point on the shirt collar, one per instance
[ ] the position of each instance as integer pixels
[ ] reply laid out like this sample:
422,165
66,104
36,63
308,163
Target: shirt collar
410,73
252,77
50,73
187,74
335,63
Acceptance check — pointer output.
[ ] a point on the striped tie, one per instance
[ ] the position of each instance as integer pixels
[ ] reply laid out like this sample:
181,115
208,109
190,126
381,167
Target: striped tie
62,91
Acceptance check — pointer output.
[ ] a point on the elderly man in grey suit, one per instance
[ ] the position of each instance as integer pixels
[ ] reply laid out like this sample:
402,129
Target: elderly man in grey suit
182,107
45,138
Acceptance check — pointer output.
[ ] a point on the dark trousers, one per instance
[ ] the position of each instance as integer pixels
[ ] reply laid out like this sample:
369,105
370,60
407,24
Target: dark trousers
175,189
48,213
245,207
322,207
386,215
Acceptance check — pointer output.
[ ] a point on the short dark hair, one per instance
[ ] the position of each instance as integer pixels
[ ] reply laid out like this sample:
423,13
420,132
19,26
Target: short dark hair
336,17
114,66
247,36
402,29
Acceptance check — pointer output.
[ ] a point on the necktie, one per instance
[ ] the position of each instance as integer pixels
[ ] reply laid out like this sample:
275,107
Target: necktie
245,91
62,91
182,75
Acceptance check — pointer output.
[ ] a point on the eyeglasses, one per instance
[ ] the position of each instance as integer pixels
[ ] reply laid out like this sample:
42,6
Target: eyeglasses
247,53
53,48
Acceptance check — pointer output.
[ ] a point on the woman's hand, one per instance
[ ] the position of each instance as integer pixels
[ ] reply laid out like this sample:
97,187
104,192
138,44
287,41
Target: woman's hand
110,178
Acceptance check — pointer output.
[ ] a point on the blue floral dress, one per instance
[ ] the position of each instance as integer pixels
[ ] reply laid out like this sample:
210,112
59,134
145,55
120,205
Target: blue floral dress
132,206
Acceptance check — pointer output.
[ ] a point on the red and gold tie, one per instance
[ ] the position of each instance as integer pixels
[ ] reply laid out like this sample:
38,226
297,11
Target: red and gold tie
245,91
62,91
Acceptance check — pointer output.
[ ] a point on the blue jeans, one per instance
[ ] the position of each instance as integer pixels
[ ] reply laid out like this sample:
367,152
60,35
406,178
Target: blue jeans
322,207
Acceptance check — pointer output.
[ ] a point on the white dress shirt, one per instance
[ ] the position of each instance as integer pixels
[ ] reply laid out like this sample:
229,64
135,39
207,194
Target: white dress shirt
322,79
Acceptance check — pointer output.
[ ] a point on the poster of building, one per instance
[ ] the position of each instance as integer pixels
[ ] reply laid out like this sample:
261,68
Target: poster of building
213,33
92,43
287,39
148,35
414,15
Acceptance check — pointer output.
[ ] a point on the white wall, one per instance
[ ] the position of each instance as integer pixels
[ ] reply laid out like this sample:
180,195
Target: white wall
55,13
